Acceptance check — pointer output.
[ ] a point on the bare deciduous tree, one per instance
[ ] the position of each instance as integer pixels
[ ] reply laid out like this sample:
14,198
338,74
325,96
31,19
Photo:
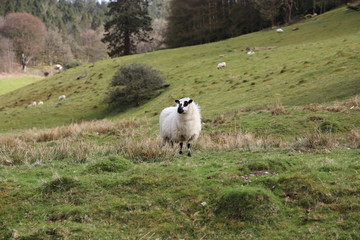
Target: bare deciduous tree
94,49
157,36
27,33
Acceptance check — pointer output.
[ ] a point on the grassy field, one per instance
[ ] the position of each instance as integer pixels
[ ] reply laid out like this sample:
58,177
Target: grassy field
278,157
317,64
9,84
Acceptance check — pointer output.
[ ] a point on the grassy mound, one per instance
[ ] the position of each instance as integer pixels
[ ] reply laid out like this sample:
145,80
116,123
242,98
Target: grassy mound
111,164
248,204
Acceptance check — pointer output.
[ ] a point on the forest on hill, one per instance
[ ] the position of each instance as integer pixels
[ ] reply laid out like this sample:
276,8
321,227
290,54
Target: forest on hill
74,30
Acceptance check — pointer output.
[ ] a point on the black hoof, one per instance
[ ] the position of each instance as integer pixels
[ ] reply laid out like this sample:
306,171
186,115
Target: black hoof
189,154
180,152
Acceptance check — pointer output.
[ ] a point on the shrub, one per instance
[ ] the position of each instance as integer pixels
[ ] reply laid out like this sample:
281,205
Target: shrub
134,84
72,65
248,204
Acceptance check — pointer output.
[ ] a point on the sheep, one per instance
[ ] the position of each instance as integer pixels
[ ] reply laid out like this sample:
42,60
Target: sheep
62,97
279,30
181,123
221,65
41,103
58,67
250,53
33,104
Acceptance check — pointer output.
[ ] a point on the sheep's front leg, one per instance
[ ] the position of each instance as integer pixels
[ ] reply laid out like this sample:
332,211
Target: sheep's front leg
189,153
181,146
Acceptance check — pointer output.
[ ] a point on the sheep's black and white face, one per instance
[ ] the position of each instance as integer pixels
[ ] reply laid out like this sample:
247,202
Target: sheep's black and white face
183,105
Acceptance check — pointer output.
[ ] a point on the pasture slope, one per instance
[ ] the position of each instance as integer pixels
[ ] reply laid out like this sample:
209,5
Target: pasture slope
278,157
10,83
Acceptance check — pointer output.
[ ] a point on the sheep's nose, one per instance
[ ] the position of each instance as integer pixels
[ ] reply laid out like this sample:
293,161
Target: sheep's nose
180,110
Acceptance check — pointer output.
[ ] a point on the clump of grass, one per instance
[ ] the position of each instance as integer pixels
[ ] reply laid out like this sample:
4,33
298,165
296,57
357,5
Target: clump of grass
98,127
220,141
111,164
277,109
329,127
252,204
219,119
315,140
353,102
30,152
62,184
354,137
146,150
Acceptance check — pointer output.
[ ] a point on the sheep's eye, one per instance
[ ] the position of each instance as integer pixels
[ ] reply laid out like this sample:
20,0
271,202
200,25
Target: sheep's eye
185,103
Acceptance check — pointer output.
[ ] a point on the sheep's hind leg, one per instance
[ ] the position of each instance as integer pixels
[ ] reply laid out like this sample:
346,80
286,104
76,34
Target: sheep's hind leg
181,146
189,153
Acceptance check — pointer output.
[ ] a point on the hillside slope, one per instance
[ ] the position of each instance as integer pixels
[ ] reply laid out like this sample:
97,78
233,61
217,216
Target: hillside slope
316,64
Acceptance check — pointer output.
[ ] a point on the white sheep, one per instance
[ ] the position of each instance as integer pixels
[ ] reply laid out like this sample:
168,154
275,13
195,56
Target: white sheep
250,53
58,67
279,30
221,65
33,104
41,103
181,123
62,97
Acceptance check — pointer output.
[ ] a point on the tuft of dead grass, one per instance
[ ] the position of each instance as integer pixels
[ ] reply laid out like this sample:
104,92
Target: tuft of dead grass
146,150
314,140
220,141
354,138
336,106
75,130
277,109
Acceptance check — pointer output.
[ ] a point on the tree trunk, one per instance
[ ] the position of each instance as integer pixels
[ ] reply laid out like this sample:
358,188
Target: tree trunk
24,61
127,41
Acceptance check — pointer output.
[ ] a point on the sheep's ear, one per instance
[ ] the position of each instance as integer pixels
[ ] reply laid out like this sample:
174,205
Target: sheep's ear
177,101
190,101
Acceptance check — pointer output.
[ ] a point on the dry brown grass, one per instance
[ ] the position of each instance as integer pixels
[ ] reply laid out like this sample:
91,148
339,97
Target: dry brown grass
75,130
354,138
338,106
277,109
220,141
314,140
146,150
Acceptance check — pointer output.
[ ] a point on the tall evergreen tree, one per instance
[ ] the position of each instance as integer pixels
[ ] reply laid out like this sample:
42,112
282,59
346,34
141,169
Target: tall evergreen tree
129,23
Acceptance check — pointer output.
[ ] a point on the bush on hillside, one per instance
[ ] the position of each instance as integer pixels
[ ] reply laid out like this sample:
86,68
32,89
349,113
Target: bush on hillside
134,84
72,65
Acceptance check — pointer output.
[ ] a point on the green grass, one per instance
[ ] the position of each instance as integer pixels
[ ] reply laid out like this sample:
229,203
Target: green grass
311,196
278,157
12,83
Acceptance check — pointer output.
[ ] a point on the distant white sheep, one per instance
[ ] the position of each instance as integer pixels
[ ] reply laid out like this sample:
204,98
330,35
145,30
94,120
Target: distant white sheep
33,104
279,30
181,123
62,97
221,65
41,103
58,67
250,53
